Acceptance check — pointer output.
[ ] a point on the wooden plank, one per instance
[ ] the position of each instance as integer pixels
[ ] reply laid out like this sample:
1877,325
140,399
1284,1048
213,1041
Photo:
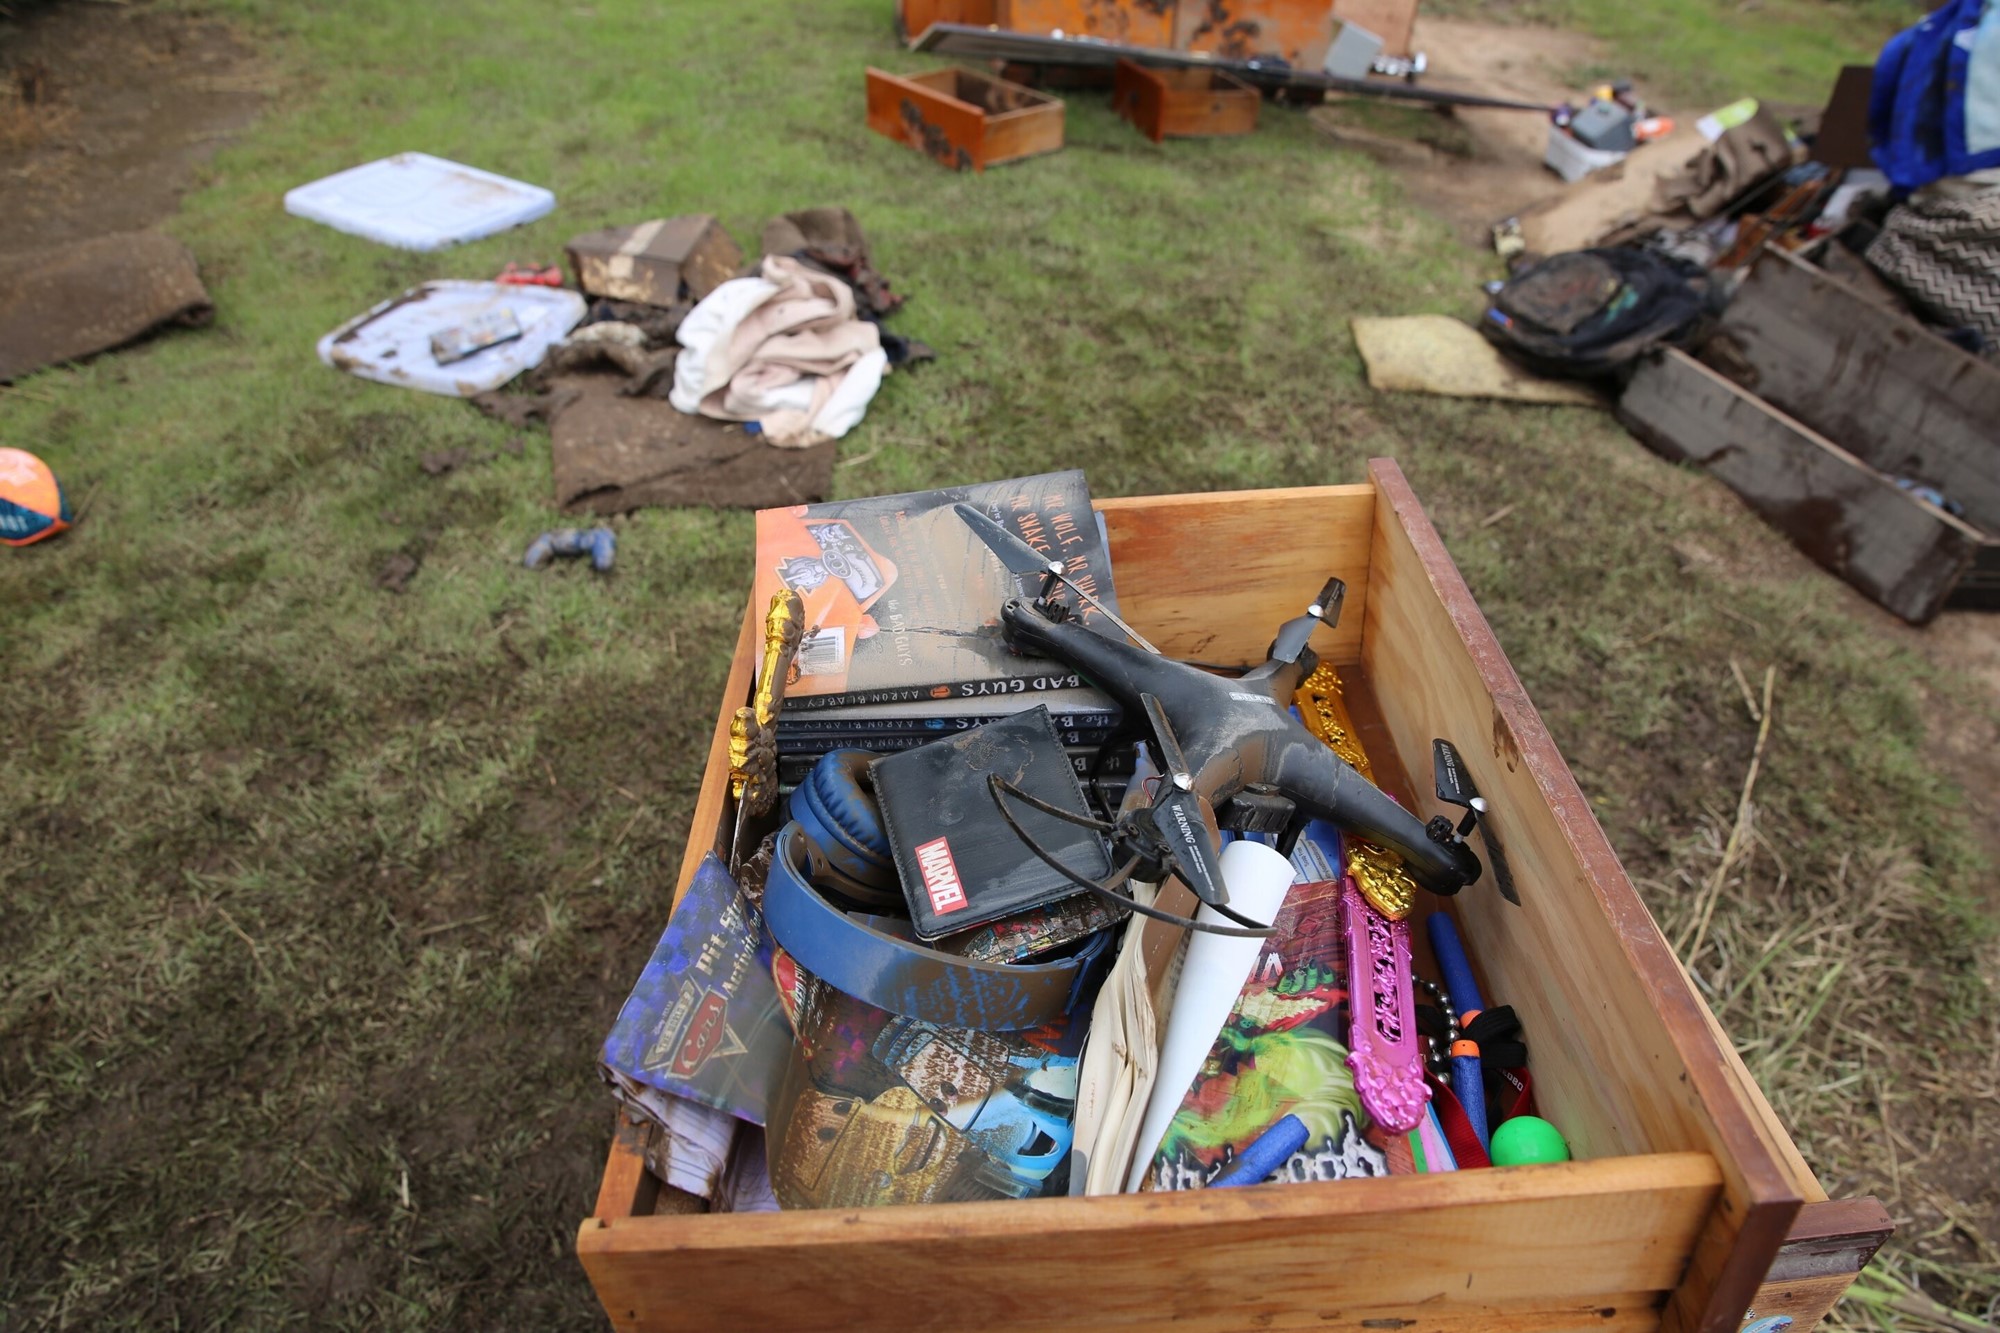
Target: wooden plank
1896,549
1886,389
627,1189
1979,587
1299,31
1625,1059
915,112
1212,576
914,17
1828,1246
1546,1247
706,831
1027,131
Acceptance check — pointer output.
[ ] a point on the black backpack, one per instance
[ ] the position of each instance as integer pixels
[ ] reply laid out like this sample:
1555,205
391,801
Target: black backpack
1588,313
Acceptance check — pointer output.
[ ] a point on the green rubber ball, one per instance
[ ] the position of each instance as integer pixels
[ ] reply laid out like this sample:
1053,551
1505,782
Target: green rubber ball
1528,1138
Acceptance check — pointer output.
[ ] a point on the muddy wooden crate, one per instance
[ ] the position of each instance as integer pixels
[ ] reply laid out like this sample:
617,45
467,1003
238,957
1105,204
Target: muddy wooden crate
1184,103
962,118
1686,1207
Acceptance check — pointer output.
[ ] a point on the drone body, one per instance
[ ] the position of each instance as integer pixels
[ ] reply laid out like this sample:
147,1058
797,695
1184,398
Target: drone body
1238,737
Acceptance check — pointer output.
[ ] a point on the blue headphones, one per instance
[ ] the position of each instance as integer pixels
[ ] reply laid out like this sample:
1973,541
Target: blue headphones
849,849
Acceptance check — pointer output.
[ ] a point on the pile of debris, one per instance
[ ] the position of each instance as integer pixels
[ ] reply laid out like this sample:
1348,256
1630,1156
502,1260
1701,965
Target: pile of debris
672,372
1807,306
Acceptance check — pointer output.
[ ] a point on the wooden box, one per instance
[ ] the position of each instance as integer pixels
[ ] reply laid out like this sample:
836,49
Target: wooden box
649,261
1299,32
1685,1188
1126,22
962,118
1811,401
1184,103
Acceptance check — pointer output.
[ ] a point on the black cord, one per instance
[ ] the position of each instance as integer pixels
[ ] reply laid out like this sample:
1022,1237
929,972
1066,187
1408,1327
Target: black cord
997,785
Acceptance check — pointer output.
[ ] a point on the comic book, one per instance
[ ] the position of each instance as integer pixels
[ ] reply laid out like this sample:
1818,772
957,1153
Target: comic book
704,1022
1283,1053
903,600
879,1108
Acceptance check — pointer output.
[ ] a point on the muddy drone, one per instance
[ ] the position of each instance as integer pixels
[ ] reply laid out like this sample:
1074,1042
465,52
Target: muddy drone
1231,753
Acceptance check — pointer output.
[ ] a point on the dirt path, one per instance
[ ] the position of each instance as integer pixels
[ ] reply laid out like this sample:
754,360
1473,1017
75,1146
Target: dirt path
107,114
1482,165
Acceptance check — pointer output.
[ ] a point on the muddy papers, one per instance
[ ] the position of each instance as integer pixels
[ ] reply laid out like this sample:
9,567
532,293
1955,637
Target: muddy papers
614,453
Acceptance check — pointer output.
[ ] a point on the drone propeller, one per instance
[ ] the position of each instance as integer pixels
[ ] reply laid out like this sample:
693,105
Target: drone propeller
1294,634
1455,787
1023,560
1179,816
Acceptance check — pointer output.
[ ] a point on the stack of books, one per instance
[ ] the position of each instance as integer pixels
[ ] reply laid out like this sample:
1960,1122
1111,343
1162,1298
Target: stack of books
903,641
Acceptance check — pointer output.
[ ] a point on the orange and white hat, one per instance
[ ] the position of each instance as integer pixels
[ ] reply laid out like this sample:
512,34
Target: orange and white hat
32,505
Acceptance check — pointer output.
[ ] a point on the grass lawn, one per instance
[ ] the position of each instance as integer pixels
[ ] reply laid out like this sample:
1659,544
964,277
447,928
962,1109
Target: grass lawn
320,897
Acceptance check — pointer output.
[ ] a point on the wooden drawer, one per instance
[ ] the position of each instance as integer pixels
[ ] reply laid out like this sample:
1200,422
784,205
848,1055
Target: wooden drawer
961,118
1685,1185
1811,401
1122,21
1184,103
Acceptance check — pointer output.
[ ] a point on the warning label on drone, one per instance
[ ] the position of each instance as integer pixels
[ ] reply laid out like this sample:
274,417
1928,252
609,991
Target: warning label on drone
941,882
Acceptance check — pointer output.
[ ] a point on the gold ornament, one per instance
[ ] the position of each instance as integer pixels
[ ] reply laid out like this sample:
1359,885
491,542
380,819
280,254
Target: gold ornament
1381,878
1325,713
753,734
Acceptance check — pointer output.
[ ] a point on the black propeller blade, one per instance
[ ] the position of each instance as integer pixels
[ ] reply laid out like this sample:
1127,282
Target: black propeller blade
1022,559
1294,634
1455,787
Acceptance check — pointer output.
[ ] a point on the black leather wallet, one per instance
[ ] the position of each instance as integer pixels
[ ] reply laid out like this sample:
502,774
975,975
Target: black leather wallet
959,863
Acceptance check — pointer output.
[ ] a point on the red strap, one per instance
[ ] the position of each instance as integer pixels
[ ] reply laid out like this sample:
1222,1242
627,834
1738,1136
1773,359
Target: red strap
1457,1126
1458,1133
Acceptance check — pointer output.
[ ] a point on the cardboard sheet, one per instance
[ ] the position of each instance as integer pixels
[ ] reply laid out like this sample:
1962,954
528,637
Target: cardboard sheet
1438,354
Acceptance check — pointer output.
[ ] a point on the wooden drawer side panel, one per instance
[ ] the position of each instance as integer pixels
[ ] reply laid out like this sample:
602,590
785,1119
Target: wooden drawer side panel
1878,384
949,132
1535,1248
1895,549
1624,1056
1211,577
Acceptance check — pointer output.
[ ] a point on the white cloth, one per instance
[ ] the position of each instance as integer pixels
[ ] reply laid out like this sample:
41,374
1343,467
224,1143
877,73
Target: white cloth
784,350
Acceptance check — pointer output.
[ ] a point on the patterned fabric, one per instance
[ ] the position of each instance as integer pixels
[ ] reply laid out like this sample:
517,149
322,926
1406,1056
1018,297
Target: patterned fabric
1944,256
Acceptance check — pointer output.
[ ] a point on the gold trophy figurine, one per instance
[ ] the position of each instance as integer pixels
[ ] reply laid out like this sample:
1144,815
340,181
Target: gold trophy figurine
753,732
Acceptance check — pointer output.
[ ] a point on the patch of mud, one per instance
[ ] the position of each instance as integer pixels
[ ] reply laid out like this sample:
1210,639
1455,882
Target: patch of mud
107,112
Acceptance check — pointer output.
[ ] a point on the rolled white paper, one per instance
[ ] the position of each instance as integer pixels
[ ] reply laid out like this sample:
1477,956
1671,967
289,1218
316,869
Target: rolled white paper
1211,979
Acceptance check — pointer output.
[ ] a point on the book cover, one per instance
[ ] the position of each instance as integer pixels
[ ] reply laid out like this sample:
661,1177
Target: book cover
877,1108
704,1020
1085,706
1283,1054
903,600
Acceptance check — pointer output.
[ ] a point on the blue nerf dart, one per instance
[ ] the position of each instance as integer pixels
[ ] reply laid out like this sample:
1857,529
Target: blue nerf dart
1265,1154
1467,1082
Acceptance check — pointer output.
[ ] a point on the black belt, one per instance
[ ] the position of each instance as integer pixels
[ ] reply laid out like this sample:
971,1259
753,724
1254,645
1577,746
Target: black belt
859,955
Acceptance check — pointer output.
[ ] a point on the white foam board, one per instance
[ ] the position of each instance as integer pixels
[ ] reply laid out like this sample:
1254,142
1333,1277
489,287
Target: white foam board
391,343
419,202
